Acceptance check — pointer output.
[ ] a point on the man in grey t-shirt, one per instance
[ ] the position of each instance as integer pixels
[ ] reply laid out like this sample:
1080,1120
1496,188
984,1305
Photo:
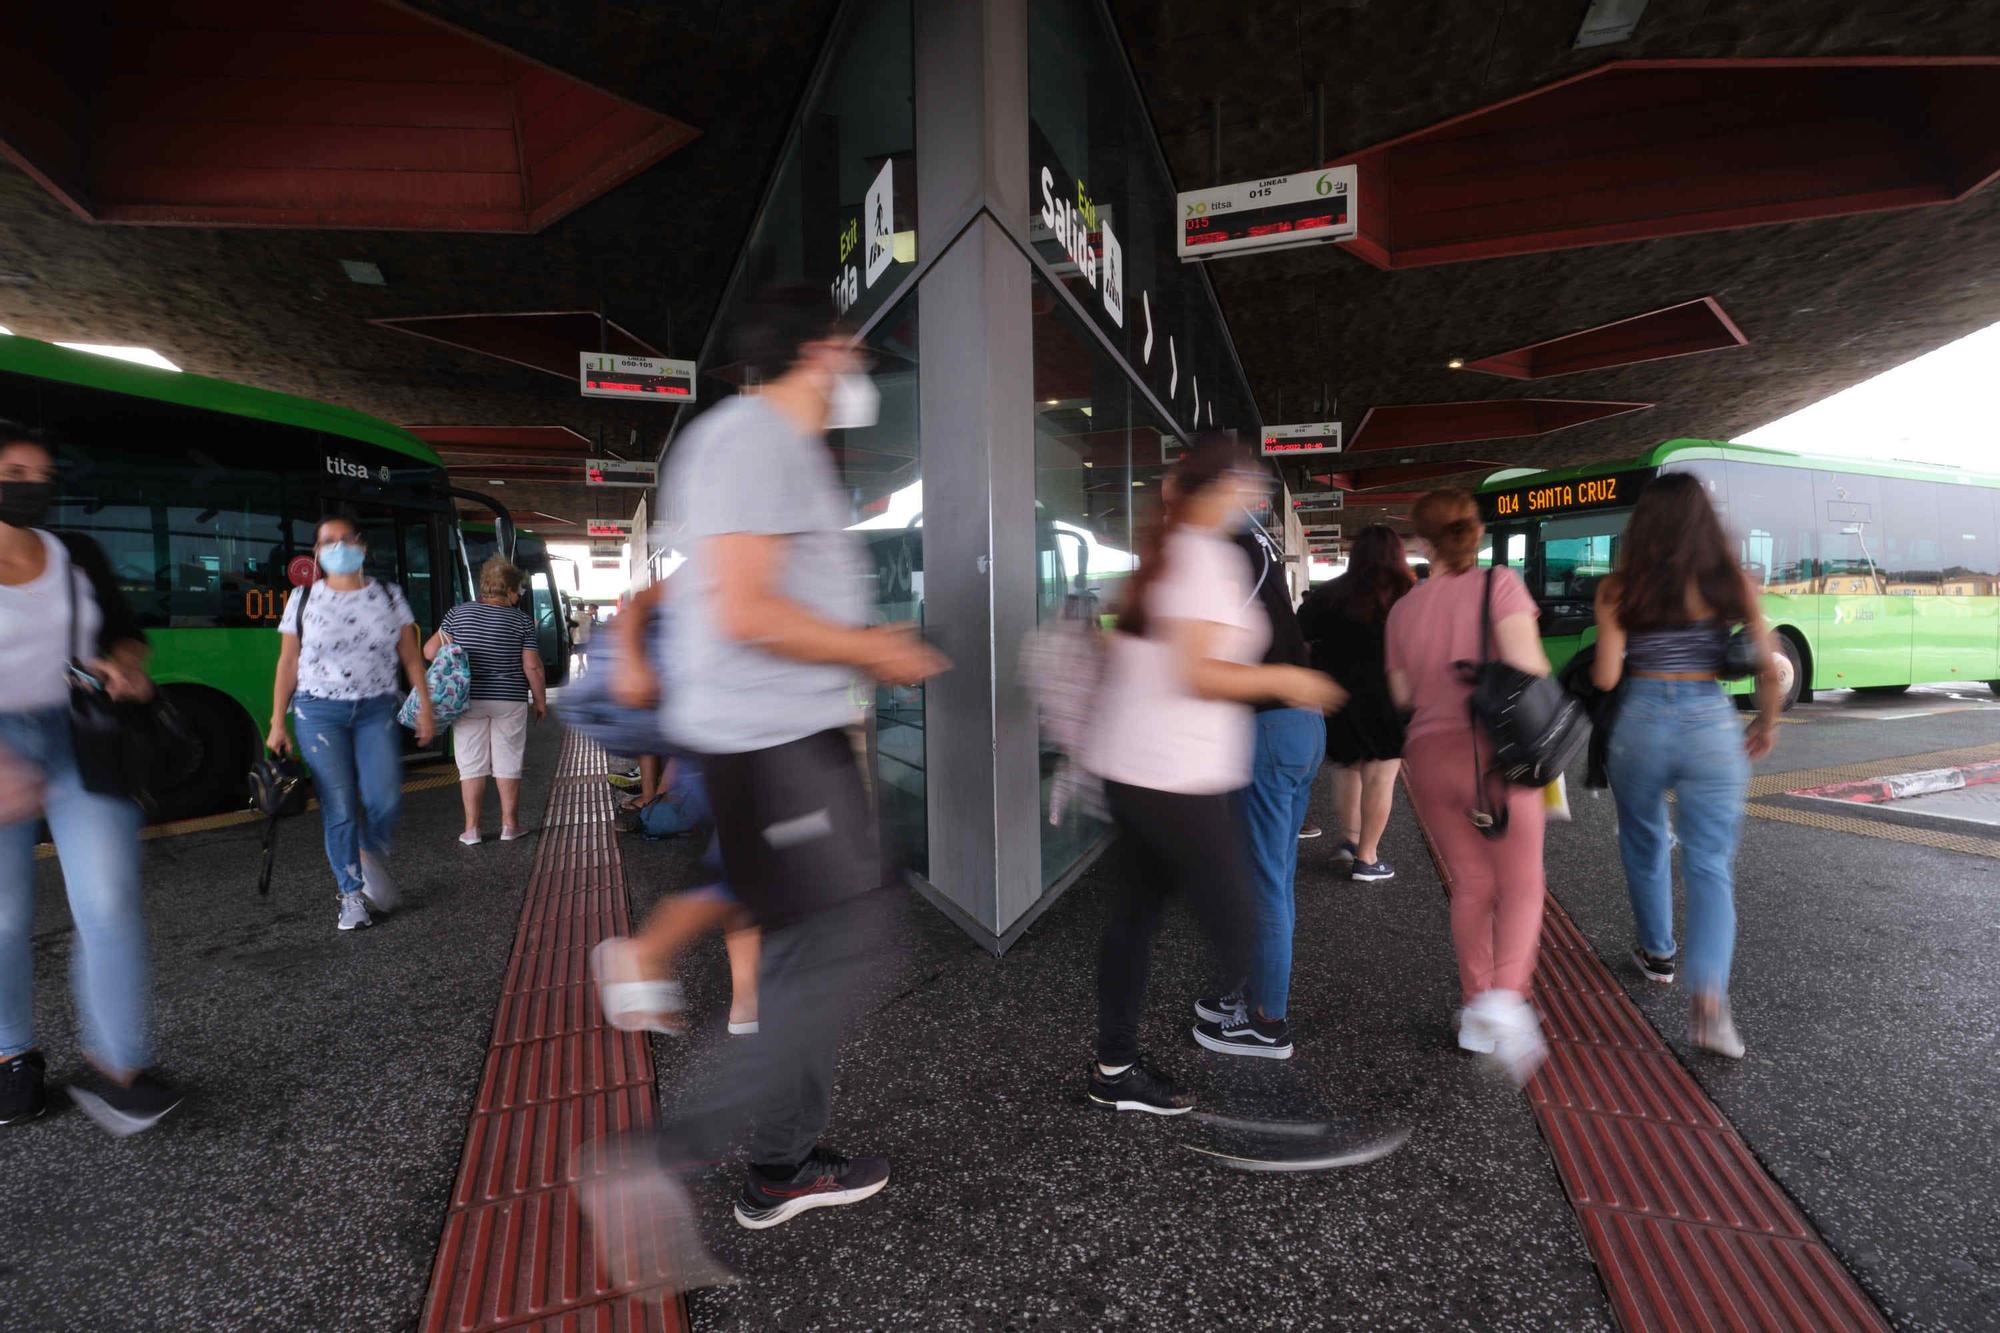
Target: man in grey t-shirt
768,638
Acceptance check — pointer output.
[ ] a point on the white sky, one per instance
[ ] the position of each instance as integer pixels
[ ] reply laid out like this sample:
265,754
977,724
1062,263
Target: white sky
1938,408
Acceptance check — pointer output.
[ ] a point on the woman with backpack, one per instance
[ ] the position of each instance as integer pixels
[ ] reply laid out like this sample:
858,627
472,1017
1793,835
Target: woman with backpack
1487,833
341,640
1663,629
1173,738
58,601
1345,623
491,736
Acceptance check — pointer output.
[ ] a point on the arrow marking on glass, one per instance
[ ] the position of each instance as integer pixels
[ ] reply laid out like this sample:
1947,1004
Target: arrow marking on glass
1174,379
1147,301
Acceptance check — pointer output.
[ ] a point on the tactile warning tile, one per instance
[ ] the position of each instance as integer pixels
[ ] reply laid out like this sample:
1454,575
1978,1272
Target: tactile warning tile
1970,844
514,1253
1771,784
1687,1229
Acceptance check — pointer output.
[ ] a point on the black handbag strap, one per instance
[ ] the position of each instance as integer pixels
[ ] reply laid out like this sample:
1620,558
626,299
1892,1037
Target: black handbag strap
270,856
1496,819
69,593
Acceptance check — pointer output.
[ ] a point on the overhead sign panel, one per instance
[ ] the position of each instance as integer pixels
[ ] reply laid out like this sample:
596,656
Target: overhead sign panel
1302,440
1278,211
618,472
1323,532
616,529
1319,500
605,375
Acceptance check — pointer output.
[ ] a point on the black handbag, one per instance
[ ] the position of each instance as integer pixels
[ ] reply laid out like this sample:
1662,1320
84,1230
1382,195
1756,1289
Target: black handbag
279,786
1536,727
1740,658
125,748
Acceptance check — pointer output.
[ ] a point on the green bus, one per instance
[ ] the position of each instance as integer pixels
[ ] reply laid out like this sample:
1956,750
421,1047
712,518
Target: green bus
1876,575
204,496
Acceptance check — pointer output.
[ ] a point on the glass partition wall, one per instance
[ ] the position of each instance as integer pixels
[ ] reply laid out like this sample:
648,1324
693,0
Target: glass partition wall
1063,356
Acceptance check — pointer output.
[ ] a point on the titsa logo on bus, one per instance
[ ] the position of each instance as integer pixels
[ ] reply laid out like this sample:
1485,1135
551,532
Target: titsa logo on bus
340,467
1603,490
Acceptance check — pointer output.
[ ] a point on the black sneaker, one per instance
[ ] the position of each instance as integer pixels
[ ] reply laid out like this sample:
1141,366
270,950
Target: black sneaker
1654,968
23,1093
1345,850
1368,872
824,1180
1218,1008
1137,1089
124,1109
1245,1034
1310,831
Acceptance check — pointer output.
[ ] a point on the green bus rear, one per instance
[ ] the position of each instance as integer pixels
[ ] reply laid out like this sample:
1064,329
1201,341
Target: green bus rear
1876,576
204,495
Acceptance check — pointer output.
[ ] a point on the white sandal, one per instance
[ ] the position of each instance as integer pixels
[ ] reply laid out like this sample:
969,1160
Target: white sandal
631,1002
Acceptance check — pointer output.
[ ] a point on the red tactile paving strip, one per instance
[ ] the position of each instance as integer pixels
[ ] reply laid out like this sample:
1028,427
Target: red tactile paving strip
515,1253
1687,1229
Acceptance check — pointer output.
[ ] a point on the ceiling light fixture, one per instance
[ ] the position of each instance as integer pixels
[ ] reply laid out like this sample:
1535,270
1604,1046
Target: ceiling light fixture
495,481
363,272
1050,402
1456,363
5,331
144,356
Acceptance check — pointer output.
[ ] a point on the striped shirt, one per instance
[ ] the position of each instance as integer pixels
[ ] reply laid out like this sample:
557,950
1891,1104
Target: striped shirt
493,638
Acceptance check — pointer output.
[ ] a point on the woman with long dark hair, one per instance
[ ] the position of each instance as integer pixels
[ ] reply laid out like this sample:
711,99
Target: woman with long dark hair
1663,624
1173,739
1346,623
1496,879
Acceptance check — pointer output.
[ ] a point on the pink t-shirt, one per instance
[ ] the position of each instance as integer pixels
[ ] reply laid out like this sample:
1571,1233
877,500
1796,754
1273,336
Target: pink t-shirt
1436,625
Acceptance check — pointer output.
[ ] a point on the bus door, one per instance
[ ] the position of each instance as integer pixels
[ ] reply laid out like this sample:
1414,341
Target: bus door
1864,632
551,630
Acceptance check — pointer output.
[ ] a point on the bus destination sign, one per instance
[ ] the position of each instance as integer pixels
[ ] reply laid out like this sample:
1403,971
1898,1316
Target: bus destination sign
607,375
1302,440
1544,499
1307,209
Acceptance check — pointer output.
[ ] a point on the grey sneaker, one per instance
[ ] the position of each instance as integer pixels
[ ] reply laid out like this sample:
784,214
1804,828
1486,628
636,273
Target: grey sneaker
376,885
1714,1030
354,912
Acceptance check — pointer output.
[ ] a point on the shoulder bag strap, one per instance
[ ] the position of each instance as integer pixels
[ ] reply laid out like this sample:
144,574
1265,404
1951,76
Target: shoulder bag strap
1486,617
68,572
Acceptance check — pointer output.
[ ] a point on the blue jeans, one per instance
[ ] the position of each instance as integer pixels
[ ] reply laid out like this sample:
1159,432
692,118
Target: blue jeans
1682,736
97,843
1291,744
356,755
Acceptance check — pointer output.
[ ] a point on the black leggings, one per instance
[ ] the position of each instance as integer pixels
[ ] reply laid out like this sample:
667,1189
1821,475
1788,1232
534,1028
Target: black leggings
1191,843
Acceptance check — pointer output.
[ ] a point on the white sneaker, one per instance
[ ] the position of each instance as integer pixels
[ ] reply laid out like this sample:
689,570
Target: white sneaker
1715,1031
1473,1033
1518,1047
354,912
376,885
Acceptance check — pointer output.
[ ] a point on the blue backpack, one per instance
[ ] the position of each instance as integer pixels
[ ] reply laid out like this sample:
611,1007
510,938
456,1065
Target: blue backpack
588,708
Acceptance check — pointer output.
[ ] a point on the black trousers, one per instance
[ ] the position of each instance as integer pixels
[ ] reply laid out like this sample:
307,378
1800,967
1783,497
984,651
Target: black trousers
1195,844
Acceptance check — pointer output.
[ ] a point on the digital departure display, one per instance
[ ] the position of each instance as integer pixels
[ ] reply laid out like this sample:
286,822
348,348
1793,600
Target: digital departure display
1545,499
1272,223
1312,437
604,375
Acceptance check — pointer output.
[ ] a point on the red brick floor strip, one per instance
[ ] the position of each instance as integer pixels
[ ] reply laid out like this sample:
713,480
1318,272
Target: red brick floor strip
515,1253
1687,1229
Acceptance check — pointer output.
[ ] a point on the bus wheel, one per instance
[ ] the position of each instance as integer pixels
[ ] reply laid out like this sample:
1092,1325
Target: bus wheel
222,759
1791,676
1884,690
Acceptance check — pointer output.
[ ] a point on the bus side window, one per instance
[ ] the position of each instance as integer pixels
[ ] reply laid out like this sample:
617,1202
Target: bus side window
1911,563
1772,510
1969,558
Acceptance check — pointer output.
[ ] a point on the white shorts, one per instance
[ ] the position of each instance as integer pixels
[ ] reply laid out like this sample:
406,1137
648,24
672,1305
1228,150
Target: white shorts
491,736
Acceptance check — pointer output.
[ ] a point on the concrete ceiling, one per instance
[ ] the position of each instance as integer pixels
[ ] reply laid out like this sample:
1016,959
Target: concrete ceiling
1823,303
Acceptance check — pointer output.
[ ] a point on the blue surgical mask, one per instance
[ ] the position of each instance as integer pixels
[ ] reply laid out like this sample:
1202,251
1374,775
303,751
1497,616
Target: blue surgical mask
340,558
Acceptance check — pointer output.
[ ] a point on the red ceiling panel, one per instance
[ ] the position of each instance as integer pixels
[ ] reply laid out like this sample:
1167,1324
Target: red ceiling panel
1414,425
340,113
1679,330
546,340
1369,479
1639,149
503,441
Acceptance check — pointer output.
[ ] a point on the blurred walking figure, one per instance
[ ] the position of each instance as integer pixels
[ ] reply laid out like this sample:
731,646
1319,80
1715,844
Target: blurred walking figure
341,640
1663,627
582,625
769,633
1346,622
1497,885
1174,741
491,735
97,837
1289,745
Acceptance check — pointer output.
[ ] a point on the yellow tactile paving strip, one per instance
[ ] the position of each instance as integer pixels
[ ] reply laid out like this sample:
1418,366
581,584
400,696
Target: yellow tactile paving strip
1777,784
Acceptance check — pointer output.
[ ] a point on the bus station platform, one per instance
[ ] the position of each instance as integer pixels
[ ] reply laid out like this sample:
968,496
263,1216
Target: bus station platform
378,1128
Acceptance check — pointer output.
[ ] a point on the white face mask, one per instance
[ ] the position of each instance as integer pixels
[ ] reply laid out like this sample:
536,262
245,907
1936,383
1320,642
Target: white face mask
855,404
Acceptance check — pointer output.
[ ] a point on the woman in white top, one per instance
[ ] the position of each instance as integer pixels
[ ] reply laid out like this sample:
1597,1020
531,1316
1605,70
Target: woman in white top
342,639
1173,741
96,837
